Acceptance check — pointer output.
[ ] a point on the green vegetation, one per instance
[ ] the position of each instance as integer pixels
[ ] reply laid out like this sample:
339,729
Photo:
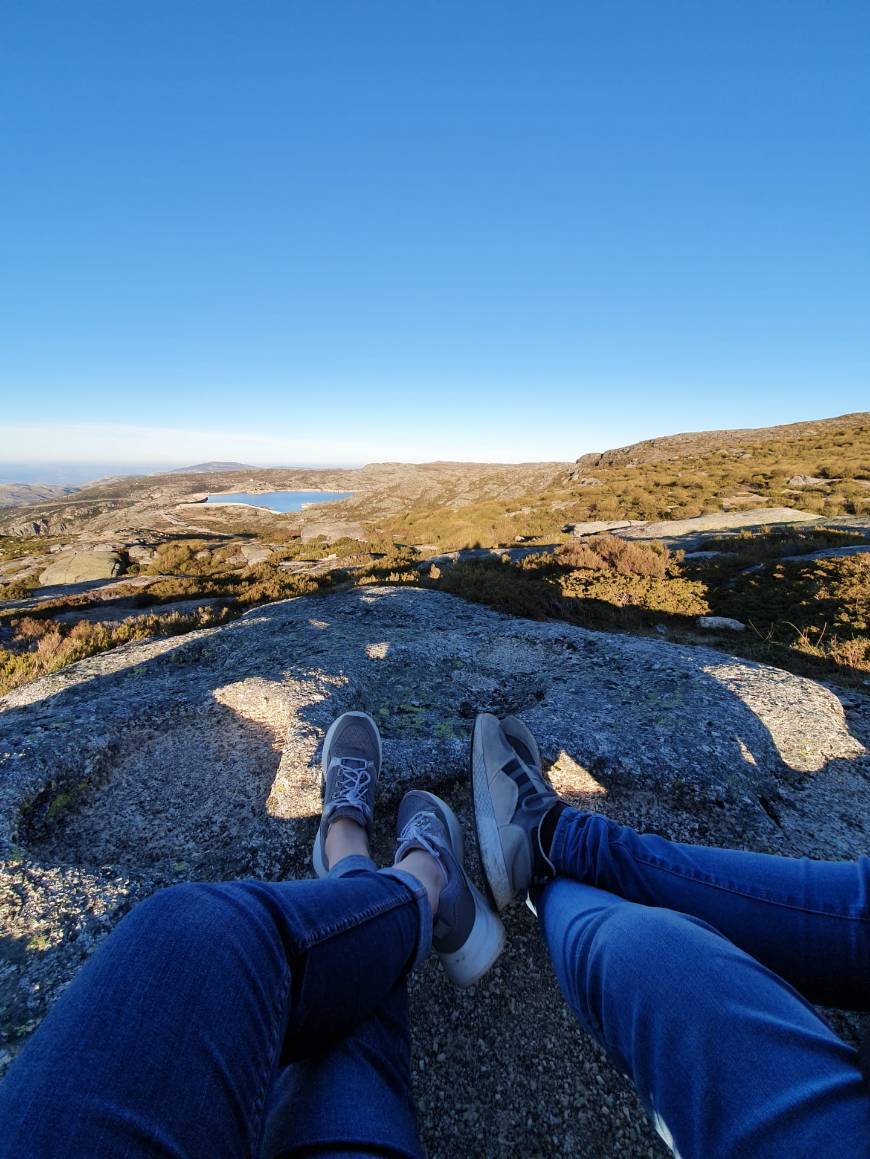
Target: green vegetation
739,477
41,645
808,616
805,615
600,582
16,590
765,543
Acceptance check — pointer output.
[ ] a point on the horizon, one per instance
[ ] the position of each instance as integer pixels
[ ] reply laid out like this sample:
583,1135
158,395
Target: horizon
357,234
60,472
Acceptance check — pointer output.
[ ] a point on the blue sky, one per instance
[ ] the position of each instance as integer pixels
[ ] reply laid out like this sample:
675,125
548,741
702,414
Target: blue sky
347,230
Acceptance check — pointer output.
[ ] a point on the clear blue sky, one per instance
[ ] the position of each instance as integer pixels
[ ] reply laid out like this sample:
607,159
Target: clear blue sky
343,230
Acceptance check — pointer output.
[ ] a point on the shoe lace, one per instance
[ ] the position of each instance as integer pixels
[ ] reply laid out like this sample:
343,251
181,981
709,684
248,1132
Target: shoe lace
418,833
351,784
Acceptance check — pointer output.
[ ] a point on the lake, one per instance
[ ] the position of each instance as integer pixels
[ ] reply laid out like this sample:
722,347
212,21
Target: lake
281,500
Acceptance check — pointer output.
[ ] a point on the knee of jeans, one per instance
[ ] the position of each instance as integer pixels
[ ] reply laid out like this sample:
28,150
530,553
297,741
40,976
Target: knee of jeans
636,937
187,910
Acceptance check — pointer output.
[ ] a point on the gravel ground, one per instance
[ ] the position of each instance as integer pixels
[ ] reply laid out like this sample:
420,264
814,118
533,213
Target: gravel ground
196,758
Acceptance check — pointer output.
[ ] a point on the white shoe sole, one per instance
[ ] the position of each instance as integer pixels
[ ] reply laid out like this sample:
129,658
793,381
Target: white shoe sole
488,839
485,943
487,938
318,859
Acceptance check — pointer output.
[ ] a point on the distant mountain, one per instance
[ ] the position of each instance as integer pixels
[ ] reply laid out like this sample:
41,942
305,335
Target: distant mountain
20,494
701,442
206,468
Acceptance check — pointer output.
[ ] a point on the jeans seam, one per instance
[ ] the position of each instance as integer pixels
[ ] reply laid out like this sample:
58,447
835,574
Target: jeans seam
653,864
281,1015
358,919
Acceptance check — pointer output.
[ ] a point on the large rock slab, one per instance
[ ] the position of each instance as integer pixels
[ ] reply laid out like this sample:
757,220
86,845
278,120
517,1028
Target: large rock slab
596,526
197,758
332,529
81,567
716,521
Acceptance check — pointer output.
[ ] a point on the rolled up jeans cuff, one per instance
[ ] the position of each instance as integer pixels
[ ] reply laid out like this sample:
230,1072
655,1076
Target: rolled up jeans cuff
424,912
353,863
564,826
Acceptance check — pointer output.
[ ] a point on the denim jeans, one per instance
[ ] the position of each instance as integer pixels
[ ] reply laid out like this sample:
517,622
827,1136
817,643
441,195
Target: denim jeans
237,1019
685,962
253,1018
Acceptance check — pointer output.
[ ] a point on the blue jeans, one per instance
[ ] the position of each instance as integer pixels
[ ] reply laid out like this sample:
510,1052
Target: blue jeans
271,1018
685,962
212,1007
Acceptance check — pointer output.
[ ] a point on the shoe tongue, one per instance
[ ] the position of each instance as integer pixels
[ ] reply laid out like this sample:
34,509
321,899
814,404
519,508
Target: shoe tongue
503,751
351,813
353,759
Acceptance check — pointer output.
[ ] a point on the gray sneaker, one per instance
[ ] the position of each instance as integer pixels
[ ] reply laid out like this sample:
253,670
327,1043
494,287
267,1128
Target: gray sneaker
467,934
350,767
511,798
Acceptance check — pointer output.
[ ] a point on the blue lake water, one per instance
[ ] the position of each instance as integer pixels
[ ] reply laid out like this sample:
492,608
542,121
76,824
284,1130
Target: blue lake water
281,500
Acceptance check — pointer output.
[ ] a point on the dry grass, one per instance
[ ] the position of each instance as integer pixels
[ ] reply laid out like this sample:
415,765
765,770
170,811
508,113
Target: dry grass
40,646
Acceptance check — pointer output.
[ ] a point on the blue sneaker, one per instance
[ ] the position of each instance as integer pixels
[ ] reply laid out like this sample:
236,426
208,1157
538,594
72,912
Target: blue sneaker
467,934
350,768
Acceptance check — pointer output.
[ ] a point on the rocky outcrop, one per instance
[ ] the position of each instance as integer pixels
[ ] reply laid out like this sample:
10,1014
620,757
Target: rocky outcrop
809,481
596,526
332,529
196,758
720,624
254,553
701,442
81,566
716,521
20,494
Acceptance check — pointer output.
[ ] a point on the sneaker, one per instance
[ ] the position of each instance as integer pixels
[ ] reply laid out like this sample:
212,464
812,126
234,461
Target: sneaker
522,742
511,798
349,771
467,934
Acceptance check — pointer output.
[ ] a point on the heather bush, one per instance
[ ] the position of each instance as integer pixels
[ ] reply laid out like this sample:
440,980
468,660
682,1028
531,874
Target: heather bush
40,646
611,554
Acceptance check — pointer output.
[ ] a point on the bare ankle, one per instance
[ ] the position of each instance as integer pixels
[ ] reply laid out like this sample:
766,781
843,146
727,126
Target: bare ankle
345,838
428,872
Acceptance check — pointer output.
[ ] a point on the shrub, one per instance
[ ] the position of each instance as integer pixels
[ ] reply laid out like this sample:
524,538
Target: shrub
611,554
43,646
15,590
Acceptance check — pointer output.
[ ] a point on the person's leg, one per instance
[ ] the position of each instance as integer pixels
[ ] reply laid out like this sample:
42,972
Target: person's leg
357,1088
339,1099
729,1059
807,920
168,1039
367,1075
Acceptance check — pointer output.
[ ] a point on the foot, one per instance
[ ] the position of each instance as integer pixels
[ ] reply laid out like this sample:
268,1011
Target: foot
511,799
350,767
466,935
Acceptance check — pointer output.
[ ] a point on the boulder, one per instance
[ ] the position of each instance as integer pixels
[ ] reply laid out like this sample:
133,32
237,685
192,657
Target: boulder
198,757
254,553
331,530
141,554
82,566
720,624
594,526
809,481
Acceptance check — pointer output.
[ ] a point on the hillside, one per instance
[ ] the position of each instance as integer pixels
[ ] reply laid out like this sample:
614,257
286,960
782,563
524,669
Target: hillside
696,443
23,494
128,771
210,468
127,557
